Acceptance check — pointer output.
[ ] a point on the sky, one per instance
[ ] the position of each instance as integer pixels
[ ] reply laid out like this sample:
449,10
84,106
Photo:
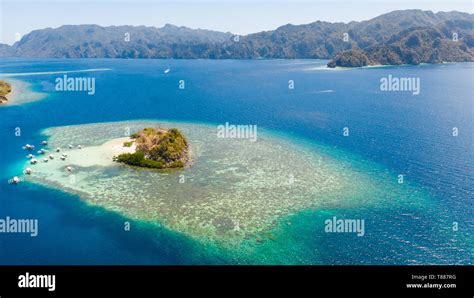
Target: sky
19,17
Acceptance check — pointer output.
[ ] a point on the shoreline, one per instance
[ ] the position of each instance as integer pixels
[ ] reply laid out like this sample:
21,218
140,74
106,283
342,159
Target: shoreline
379,66
20,93
371,66
6,91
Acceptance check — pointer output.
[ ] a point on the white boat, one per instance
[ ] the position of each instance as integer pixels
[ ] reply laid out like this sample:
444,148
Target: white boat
167,70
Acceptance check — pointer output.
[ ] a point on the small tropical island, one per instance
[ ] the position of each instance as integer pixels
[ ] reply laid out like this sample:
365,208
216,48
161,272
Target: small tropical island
156,148
5,89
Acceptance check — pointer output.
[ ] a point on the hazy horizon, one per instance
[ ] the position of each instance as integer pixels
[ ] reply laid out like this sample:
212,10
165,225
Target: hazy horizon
238,17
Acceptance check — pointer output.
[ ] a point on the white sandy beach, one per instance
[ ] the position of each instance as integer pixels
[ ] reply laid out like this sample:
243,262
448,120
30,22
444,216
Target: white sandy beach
21,93
95,155
325,68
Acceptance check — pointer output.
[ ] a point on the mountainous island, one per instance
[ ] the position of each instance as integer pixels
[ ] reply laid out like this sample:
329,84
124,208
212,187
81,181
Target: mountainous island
398,37
156,148
5,88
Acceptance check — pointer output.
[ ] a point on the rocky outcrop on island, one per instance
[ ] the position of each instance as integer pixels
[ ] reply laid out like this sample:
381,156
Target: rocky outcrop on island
156,148
5,88
449,42
94,41
350,58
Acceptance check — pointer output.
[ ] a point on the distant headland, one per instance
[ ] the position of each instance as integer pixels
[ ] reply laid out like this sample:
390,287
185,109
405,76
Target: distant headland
399,37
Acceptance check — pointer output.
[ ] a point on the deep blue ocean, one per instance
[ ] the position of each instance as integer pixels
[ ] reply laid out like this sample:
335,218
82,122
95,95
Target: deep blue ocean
404,133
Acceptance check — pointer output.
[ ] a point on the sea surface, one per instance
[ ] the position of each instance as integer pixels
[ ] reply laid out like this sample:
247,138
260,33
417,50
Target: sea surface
427,219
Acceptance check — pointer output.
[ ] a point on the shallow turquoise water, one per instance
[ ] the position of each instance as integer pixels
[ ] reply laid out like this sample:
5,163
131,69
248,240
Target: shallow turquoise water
391,133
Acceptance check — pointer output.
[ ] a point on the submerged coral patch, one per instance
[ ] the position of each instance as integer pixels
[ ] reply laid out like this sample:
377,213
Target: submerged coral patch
235,190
